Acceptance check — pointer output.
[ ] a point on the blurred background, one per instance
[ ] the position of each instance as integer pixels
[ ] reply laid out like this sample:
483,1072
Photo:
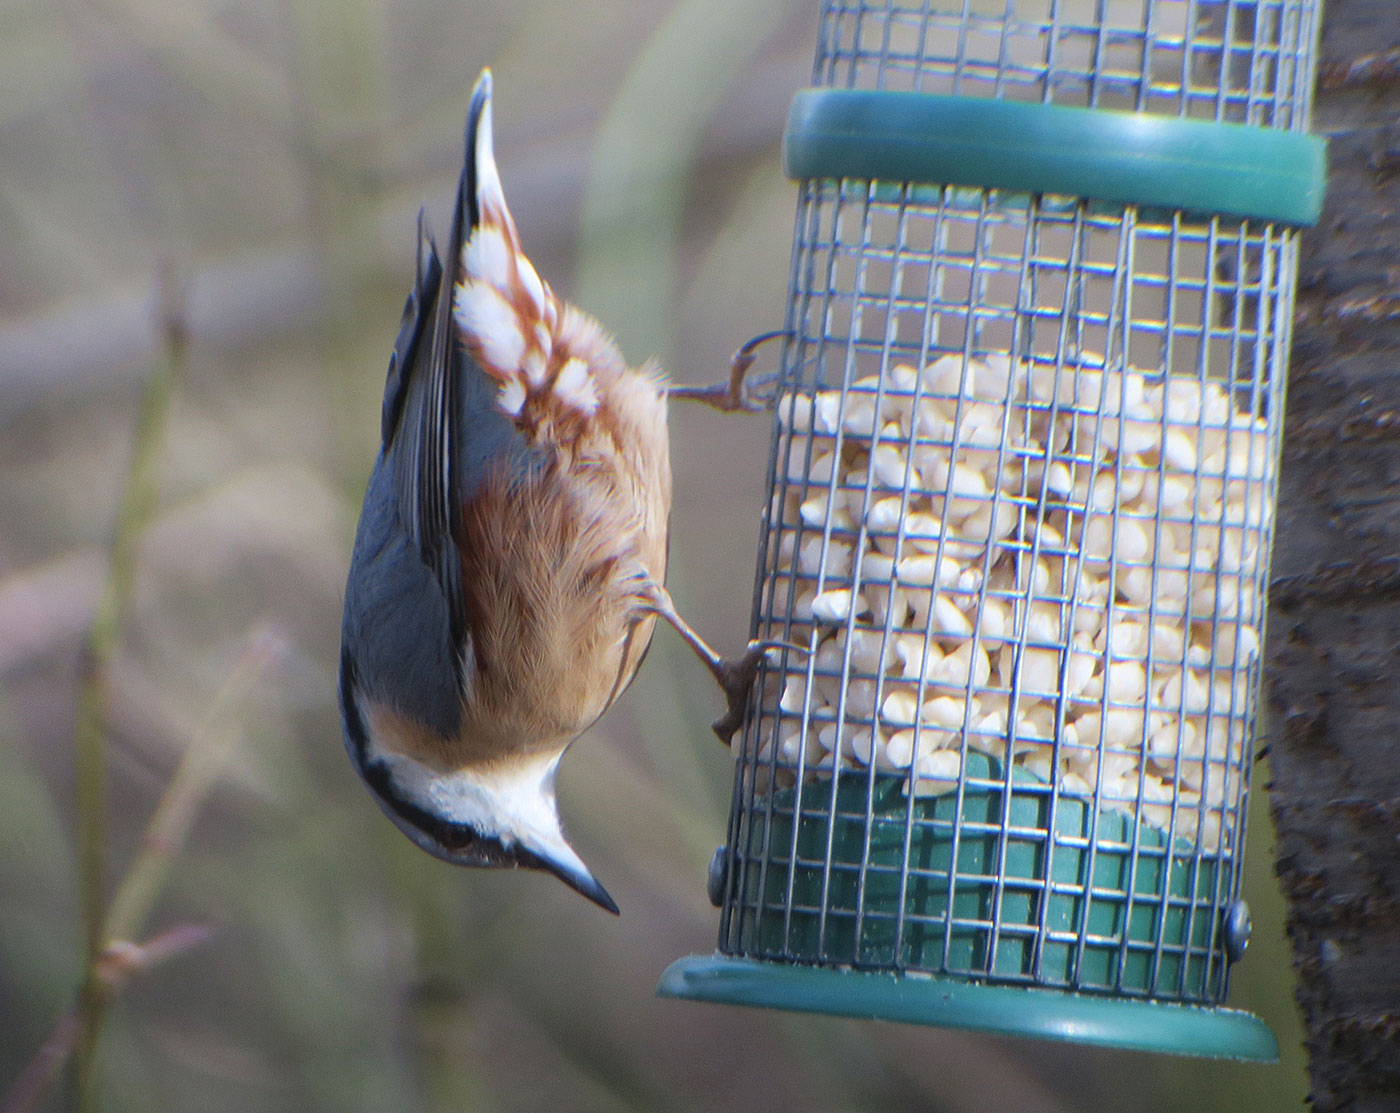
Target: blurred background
250,171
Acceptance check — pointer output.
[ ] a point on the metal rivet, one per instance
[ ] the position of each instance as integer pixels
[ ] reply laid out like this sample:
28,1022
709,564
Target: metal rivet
718,874
1237,926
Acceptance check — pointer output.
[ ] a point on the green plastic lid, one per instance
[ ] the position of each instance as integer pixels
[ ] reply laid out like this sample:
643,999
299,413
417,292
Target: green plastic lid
1198,166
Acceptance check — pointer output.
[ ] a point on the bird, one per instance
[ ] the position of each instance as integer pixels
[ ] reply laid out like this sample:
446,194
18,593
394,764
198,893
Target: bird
510,558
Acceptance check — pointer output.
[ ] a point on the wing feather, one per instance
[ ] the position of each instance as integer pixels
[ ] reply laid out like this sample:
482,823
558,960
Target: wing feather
425,424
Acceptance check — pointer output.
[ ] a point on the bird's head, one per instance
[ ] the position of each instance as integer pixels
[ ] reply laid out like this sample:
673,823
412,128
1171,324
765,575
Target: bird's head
501,814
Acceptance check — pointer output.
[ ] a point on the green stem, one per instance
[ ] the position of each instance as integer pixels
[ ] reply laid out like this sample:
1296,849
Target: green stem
104,636
141,885
201,764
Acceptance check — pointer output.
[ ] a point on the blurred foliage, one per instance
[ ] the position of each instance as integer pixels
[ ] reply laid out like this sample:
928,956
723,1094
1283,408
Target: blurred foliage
274,154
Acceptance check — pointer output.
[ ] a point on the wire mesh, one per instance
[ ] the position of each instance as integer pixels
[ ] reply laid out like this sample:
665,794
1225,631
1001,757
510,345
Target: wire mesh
1022,486
1243,61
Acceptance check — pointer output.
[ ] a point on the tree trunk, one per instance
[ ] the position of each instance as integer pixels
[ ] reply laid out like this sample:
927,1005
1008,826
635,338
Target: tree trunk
1333,665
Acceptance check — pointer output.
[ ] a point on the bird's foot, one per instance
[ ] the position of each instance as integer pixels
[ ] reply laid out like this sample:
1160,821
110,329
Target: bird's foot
733,396
736,680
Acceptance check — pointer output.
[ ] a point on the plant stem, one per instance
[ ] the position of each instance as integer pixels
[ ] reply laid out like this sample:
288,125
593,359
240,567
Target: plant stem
104,636
140,887
117,965
193,778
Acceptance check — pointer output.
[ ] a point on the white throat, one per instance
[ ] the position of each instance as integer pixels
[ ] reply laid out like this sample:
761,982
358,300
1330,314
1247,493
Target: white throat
514,803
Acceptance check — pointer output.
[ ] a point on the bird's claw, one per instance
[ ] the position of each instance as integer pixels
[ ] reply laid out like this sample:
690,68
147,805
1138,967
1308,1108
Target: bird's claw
736,679
733,396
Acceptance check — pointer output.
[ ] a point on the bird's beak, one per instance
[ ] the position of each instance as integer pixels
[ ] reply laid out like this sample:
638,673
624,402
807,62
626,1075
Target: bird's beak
499,816
539,841
568,867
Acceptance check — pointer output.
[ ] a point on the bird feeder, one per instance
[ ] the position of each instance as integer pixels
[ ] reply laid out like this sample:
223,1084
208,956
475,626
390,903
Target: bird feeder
1022,496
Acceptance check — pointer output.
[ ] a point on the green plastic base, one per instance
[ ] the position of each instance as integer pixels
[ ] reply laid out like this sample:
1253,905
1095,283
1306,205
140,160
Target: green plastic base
1100,907
1214,1033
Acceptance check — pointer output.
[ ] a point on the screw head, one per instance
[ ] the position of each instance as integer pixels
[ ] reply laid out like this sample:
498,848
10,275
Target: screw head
718,875
1237,925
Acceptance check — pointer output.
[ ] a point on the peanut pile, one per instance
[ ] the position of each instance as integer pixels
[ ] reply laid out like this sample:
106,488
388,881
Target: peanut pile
1021,556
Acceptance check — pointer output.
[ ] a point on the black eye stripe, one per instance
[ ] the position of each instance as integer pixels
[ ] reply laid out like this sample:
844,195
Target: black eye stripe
452,837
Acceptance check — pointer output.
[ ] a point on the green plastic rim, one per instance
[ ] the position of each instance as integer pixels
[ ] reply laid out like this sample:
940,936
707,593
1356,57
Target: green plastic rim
1196,166
1213,1033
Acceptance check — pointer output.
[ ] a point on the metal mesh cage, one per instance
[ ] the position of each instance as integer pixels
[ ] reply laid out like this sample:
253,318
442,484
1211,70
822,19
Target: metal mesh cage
1055,558
1023,481
1245,61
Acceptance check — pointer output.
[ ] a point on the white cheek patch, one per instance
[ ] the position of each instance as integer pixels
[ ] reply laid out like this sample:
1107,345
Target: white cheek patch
514,804
575,388
487,319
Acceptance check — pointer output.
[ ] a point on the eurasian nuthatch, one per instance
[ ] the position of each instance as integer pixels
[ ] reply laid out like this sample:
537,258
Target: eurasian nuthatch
511,552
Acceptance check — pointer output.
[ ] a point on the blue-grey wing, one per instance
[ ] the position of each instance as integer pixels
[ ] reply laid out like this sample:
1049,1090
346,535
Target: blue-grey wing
406,623
398,646
442,430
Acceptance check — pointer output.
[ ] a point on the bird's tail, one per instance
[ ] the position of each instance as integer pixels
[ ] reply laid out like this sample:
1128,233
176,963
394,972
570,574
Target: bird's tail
510,322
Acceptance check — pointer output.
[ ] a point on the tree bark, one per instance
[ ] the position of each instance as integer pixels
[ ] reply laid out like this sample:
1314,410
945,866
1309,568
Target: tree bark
1333,659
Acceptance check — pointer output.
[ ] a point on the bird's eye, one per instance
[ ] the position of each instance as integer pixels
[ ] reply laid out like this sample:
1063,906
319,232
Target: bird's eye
455,836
